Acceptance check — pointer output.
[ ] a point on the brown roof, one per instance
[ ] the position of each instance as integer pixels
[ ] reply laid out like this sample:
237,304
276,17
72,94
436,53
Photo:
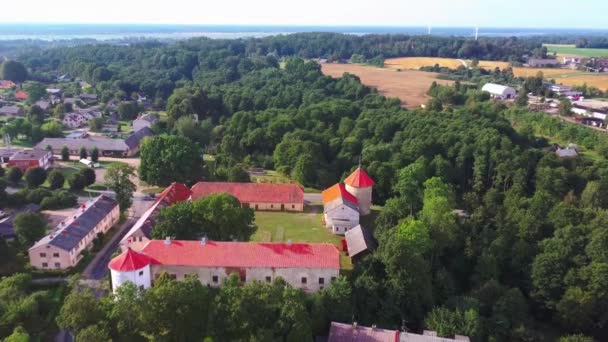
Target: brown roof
251,192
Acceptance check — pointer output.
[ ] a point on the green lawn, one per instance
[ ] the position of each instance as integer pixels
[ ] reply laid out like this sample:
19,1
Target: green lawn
573,50
276,177
297,227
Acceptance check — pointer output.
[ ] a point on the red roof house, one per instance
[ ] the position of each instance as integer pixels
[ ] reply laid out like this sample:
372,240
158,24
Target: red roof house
21,95
258,196
359,179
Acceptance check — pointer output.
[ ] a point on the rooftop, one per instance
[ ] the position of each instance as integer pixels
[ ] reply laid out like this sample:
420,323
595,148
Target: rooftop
242,254
129,261
341,332
88,143
358,240
34,154
135,139
337,191
251,192
359,179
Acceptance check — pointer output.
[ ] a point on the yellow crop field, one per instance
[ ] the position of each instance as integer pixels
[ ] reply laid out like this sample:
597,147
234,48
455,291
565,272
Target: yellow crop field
548,72
491,65
418,62
600,81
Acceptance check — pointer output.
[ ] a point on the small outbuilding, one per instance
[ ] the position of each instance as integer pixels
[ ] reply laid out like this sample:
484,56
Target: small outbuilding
359,242
499,92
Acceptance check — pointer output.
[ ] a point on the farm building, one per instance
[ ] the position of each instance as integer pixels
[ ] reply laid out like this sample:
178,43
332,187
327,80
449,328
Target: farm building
342,332
63,247
542,62
562,90
498,91
359,242
306,266
360,184
340,209
139,235
257,196
31,158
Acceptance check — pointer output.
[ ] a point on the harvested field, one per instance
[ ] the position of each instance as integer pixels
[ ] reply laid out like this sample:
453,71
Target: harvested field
491,65
547,72
600,81
416,63
410,86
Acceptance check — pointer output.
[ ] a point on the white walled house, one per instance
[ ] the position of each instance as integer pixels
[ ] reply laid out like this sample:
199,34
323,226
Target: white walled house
360,184
340,209
307,266
499,92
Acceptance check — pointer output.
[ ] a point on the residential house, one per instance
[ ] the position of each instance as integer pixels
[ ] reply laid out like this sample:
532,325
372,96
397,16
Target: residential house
69,100
144,120
54,92
11,111
359,242
340,209
26,159
342,332
63,247
134,140
74,120
140,234
7,84
44,105
7,230
258,196
88,98
21,95
566,153
499,92
306,266
77,135
542,62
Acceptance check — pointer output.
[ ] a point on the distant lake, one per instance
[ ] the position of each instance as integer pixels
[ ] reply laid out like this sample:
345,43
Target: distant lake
51,32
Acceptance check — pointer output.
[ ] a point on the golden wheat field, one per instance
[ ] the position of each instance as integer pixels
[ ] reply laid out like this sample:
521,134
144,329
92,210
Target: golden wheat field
416,63
410,86
599,81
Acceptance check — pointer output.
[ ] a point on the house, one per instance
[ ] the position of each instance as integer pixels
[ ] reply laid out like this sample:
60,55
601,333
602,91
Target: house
44,105
499,92
542,62
26,159
342,332
77,135
566,153
106,147
340,209
21,95
145,120
7,231
54,91
7,84
139,235
63,247
11,111
7,152
306,266
88,98
74,120
69,100
359,242
562,90
258,196
360,184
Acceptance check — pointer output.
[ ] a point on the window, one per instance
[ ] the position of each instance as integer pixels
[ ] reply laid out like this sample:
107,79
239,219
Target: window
57,265
141,287
333,279
271,206
44,264
43,255
304,280
321,280
268,279
173,276
55,255
141,273
293,206
214,279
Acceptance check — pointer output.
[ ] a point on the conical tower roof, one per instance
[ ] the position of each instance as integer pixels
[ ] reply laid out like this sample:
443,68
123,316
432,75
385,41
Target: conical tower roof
129,261
359,179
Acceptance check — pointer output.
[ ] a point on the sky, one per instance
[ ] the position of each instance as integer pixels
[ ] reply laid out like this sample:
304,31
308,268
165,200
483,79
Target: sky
437,13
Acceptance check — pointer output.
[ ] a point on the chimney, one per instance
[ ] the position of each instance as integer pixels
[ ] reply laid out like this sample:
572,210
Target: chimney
289,242
204,241
355,325
167,240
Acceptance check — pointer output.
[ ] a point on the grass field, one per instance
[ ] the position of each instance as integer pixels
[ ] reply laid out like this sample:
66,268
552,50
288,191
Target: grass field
410,86
297,227
572,50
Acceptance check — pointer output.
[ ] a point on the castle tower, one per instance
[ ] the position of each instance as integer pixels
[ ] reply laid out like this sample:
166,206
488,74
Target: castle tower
130,266
360,184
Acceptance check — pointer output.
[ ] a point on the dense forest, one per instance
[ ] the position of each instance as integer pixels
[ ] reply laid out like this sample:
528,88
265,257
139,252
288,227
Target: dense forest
527,261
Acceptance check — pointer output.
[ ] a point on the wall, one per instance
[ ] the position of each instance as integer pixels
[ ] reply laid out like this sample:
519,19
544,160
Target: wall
293,276
65,259
275,206
364,197
140,277
341,216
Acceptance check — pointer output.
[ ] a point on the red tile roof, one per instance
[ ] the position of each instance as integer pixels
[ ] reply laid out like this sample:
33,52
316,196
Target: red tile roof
176,192
337,191
340,332
359,179
251,192
243,254
21,95
129,261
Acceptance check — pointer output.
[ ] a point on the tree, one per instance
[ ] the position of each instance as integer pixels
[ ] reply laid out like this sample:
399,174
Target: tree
221,217
576,338
79,311
118,179
168,158
35,114
93,333
95,154
29,228
565,107
77,181
96,124
128,110
14,71
14,175
237,174
522,99
89,175
19,335
35,91
59,111
448,323
177,220
56,179
34,177
83,153
65,153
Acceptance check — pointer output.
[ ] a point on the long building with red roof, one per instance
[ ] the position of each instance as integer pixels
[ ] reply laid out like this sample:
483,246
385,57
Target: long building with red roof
308,266
257,196
139,235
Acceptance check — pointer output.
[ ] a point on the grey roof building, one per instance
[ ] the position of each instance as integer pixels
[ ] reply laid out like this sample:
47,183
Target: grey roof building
11,110
359,241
